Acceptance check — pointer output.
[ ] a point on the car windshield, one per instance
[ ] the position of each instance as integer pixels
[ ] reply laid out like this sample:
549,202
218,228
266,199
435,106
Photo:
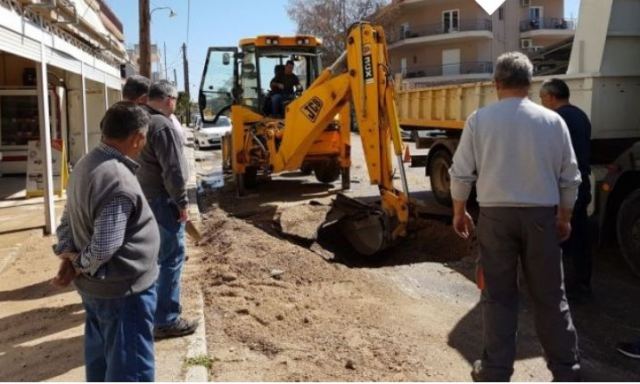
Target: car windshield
223,121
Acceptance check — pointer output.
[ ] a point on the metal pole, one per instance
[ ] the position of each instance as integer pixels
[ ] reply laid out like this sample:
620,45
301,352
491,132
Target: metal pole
145,38
166,76
186,80
45,140
175,77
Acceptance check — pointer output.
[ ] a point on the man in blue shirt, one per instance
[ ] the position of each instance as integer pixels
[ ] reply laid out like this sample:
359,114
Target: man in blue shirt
554,95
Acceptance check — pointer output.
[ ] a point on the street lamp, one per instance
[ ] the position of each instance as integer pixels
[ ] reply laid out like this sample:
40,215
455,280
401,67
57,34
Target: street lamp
171,12
145,38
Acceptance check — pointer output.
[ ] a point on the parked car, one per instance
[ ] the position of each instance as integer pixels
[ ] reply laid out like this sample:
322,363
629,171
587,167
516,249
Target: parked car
208,135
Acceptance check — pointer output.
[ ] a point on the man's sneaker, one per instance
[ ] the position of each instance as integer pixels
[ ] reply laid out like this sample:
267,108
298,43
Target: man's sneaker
181,327
630,349
476,371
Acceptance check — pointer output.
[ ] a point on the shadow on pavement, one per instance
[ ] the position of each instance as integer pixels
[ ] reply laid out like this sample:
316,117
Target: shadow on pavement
26,358
43,361
27,326
33,291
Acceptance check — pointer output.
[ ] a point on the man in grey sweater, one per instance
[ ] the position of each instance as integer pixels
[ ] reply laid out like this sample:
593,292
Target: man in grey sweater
520,158
163,175
108,241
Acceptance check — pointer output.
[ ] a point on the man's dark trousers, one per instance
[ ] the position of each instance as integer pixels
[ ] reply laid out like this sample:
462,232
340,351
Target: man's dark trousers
526,235
577,249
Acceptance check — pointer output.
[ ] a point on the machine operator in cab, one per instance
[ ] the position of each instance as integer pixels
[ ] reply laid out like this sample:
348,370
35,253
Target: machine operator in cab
283,87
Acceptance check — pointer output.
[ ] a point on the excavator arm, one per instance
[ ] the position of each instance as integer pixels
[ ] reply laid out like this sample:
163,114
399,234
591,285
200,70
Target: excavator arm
366,83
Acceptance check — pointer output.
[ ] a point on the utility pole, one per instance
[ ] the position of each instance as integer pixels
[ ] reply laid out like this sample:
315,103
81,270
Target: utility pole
175,77
145,38
166,76
186,80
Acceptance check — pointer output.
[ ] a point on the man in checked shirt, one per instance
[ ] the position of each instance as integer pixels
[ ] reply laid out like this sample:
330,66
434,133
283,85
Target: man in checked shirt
108,241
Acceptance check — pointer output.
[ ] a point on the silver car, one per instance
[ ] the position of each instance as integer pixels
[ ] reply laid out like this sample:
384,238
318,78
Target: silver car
208,135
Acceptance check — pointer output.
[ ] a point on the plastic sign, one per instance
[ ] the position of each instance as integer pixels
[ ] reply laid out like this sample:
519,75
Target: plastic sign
490,6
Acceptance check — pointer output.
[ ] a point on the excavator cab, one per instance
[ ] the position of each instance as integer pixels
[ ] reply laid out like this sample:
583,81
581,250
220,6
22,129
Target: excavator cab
236,82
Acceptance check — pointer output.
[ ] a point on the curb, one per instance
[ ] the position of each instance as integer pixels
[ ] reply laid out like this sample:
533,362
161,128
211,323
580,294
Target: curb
198,346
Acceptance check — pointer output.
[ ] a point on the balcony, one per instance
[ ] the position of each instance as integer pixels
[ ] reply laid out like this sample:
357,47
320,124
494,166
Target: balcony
456,69
106,10
552,26
439,31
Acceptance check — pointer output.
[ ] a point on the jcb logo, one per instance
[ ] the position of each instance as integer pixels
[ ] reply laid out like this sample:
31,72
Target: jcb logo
312,108
367,66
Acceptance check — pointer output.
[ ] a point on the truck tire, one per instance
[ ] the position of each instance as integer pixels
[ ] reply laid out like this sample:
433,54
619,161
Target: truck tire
327,171
439,175
628,229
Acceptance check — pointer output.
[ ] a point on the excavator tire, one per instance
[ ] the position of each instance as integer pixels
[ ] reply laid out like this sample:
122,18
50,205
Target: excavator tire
306,169
327,172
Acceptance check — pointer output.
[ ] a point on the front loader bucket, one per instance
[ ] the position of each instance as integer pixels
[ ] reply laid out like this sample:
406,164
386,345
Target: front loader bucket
365,226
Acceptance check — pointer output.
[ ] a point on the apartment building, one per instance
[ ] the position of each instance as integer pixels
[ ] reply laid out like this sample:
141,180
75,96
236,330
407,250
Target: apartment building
436,41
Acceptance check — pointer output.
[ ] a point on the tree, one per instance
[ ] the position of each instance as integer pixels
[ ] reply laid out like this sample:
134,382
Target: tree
330,19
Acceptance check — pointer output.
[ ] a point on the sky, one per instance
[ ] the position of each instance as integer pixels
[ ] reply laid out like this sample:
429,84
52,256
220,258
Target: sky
204,23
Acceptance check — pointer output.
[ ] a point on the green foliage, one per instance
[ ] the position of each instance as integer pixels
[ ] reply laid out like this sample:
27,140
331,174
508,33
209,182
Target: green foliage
201,360
330,20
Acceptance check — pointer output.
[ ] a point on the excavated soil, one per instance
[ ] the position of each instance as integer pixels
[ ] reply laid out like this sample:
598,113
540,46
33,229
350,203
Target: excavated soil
276,311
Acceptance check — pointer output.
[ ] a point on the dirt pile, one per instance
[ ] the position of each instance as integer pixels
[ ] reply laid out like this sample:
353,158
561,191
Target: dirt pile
280,312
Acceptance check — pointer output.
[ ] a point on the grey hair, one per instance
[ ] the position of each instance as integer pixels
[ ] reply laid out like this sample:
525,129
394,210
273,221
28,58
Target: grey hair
134,87
513,70
123,119
162,89
556,88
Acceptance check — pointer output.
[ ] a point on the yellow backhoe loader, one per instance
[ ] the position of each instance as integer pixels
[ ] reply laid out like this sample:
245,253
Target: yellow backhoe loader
314,133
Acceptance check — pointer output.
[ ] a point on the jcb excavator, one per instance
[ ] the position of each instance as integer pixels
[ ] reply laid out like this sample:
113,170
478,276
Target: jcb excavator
314,132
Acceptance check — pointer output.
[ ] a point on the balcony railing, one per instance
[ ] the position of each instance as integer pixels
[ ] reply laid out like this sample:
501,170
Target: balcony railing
110,15
422,30
547,23
464,68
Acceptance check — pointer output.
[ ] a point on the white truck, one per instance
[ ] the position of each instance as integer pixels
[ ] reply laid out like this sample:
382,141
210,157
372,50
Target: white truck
604,79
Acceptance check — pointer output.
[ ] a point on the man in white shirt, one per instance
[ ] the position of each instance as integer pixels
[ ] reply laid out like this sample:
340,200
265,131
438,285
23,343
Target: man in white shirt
520,158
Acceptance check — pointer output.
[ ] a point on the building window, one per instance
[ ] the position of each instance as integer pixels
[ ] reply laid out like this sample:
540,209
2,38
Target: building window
535,14
501,13
450,21
404,30
18,120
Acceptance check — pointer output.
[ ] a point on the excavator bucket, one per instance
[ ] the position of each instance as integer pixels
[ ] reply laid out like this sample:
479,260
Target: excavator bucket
365,226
